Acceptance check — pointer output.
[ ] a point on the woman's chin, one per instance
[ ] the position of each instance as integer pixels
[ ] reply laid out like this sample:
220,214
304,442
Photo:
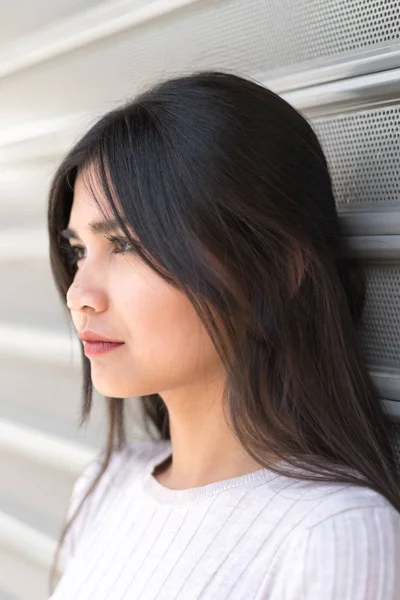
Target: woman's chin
112,389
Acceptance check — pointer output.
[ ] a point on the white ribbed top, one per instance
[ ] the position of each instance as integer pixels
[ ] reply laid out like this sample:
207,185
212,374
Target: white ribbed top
255,537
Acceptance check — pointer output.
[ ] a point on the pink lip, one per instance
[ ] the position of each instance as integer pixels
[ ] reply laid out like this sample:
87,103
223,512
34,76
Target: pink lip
97,348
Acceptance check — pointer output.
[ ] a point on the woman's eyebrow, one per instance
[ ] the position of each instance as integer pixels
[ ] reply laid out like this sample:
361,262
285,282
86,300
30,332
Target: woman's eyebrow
96,227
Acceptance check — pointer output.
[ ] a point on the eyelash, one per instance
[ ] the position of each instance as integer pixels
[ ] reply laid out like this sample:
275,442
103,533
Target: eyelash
72,251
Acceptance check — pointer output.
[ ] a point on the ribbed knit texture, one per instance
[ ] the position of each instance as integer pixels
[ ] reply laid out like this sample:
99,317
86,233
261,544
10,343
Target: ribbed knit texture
261,536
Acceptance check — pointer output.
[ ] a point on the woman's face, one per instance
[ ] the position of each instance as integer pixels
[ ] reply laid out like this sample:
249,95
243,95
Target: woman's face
118,296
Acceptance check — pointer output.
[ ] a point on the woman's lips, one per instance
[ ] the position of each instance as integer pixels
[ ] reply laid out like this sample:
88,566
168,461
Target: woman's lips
96,348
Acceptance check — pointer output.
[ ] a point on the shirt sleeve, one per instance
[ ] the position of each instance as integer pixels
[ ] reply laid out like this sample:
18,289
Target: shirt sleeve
354,555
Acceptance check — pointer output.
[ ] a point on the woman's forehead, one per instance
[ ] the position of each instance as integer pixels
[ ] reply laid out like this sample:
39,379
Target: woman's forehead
90,197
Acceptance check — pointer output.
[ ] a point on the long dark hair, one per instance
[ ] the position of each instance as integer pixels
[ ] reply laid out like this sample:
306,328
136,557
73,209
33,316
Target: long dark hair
227,188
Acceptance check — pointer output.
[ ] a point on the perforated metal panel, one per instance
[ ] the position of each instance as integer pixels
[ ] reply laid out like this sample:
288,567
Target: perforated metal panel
278,33
380,331
363,153
394,433
305,30
248,36
288,32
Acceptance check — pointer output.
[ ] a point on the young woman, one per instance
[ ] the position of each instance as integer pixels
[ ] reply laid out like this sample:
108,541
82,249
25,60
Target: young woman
195,241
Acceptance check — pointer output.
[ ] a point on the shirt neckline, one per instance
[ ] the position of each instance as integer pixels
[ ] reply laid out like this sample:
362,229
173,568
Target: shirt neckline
167,496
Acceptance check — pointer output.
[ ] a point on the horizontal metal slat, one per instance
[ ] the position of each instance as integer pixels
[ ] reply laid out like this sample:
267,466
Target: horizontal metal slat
371,223
81,29
44,448
375,247
320,71
375,89
38,345
26,541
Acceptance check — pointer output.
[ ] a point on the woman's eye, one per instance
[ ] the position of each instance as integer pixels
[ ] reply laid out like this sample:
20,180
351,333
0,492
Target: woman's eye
124,245
120,246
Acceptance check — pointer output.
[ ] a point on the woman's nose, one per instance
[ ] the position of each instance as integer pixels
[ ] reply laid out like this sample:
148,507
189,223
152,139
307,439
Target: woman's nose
82,297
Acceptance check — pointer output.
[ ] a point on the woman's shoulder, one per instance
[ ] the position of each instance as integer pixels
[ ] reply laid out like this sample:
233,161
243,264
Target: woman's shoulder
135,456
346,502
345,539
317,507
129,462
322,506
